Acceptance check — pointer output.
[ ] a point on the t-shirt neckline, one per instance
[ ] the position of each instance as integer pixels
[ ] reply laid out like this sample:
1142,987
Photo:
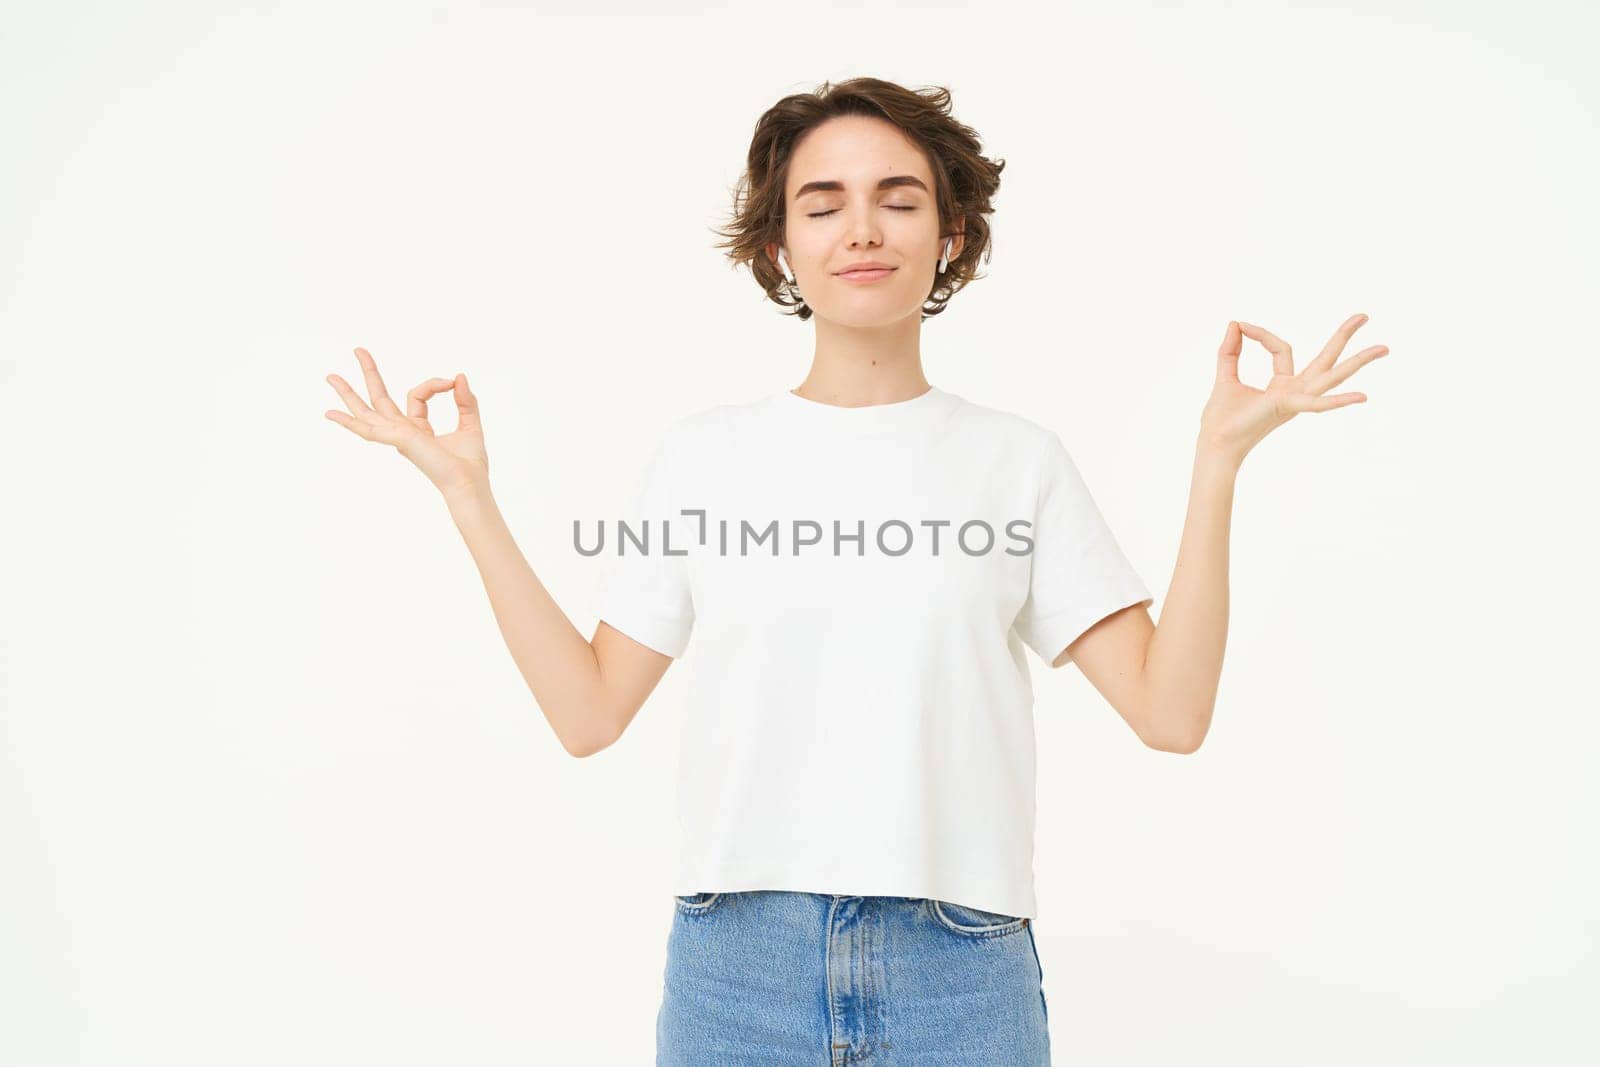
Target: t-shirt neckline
866,416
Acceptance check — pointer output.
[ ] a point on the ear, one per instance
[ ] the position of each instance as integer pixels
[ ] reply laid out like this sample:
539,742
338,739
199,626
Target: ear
960,228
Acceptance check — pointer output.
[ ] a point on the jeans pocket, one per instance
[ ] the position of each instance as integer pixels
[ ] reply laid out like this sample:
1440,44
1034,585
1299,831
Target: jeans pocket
696,903
974,922
1044,1002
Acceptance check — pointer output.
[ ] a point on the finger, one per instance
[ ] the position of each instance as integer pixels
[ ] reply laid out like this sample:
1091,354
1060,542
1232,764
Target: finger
375,389
1299,402
355,426
381,432
1323,382
1335,345
1282,354
417,399
1228,354
466,405
351,398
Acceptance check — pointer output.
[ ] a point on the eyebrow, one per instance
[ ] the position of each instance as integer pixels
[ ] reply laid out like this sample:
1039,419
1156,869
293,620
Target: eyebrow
838,186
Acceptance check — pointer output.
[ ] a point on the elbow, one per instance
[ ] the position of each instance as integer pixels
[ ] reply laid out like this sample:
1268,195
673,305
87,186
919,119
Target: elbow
581,747
596,737
1181,746
1181,734
1187,748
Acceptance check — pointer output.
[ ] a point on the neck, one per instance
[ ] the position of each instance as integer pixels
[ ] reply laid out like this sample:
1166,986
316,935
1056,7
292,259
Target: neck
854,366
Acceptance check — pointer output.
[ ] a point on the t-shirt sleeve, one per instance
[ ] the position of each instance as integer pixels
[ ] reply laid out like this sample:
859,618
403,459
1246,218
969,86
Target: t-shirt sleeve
645,593
1079,574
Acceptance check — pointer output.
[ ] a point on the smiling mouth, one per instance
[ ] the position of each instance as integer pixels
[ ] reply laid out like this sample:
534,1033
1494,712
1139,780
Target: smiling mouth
872,274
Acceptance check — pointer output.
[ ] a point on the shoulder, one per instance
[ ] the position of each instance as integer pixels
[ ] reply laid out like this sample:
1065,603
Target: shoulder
708,419
709,430
715,422
1024,435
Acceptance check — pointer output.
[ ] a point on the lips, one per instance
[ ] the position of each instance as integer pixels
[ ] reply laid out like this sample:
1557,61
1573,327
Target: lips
866,274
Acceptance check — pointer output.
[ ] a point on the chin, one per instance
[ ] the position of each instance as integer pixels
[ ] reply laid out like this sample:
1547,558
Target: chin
866,312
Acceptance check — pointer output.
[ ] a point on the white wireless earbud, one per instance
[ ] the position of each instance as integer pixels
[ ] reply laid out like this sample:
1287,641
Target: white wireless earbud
783,265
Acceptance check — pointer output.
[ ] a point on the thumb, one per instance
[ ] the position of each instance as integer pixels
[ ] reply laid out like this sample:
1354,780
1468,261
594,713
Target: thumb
1228,354
466,405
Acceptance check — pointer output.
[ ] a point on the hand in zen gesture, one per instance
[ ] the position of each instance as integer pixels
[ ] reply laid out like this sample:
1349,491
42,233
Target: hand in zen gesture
1238,416
453,462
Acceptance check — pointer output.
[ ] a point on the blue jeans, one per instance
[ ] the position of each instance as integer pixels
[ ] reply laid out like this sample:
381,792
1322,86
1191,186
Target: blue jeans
772,978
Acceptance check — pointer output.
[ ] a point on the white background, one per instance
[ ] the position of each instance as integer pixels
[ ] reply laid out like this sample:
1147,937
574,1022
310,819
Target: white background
272,790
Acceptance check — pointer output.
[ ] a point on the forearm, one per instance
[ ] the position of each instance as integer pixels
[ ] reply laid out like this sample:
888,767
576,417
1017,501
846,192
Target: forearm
557,662
1183,662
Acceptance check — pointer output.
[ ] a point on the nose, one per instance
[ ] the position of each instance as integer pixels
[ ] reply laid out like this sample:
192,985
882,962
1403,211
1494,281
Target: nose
863,230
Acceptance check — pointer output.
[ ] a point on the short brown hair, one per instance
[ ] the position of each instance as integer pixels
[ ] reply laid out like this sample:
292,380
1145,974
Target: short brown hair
965,181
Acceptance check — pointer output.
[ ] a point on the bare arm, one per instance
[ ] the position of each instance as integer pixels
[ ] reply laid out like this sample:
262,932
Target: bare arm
588,690
1163,678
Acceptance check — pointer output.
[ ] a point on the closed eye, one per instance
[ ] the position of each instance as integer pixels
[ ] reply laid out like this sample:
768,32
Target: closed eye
824,214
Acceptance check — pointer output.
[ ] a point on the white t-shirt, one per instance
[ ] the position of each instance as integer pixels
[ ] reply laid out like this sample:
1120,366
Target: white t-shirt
862,582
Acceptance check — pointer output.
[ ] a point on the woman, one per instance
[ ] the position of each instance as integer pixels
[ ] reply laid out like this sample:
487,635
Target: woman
862,559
